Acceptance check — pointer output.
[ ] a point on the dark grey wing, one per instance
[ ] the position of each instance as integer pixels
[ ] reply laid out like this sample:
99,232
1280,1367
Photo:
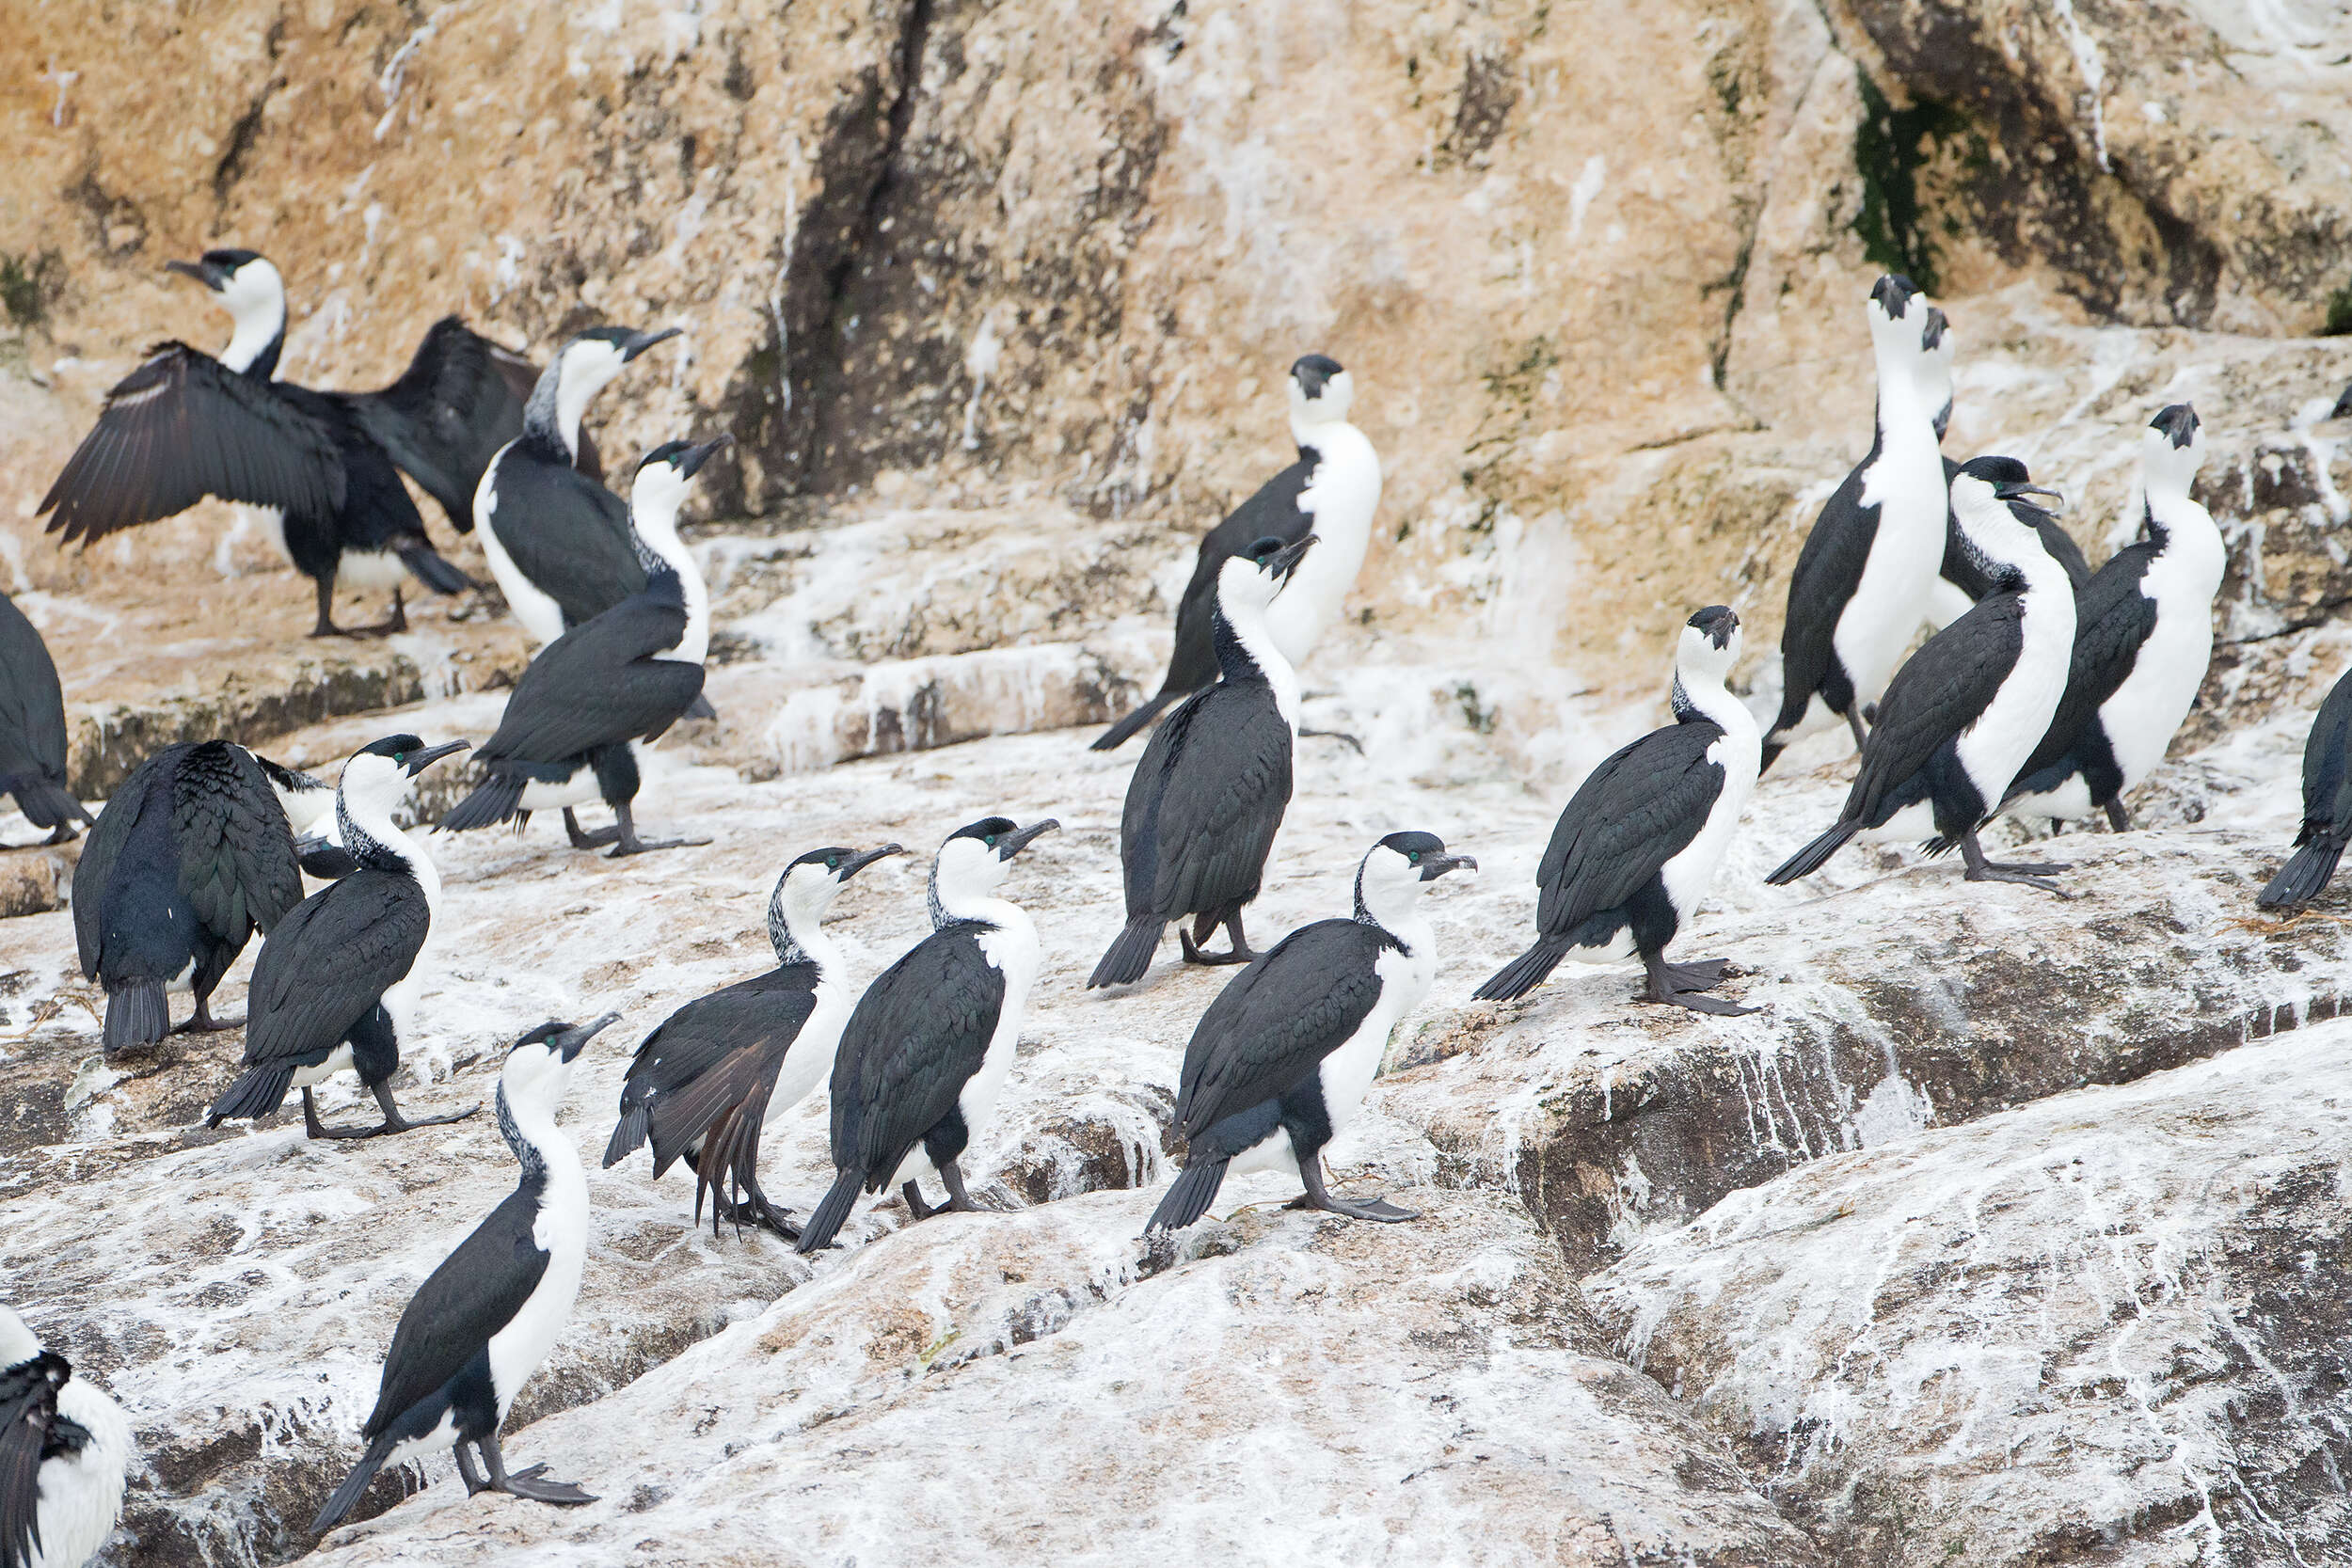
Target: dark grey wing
32,703
331,960
475,1292
104,848
568,535
30,1429
922,1030
1217,781
237,864
448,414
1950,682
1271,512
2112,619
2328,755
1633,814
1278,1017
597,685
711,1054
1829,569
182,427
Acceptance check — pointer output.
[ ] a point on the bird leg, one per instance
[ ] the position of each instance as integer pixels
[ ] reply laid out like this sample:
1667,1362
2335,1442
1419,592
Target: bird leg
1333,735
751,1209
203,1022
393,1120
64,832
629,844
958,1199
1982,870
1853,722
1319,1196
326,626
2117,818
580,840
915,1206
475,1485
1238,951
1680,985
397,620
529,1482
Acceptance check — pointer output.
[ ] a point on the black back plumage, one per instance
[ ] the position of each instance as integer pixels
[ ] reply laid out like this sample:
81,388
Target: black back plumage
2327,804
2113,619
327,965
600,683
564,531
31,1431
1279,1018
1938,693
1638,810
1828,570
918,1036
32,723
1205,803
1272,511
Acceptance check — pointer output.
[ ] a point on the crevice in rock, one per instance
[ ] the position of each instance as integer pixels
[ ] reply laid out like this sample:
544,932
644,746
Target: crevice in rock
242,136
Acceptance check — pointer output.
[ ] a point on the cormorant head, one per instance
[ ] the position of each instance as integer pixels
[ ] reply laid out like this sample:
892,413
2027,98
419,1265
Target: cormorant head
1322,391
1898,322
247,287
380,771
1997,519
1250,579
587,362
809,885
2172,450
1710,642
664,474
976,858
1390,879
1938,347
539,1065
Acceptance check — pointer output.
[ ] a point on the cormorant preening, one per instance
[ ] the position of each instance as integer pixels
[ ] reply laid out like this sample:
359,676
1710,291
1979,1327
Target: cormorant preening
64,1447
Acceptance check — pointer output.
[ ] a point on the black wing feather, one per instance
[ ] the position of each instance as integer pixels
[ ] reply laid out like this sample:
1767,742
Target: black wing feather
1633,814
1205,803
104,848
184,426
331,960
2112,619
448,414
568,535
1946,685
1278,1019
32,703
598,685
1828,570
712,1052
237,864
475,1292
915,1038
30,1429
1271,512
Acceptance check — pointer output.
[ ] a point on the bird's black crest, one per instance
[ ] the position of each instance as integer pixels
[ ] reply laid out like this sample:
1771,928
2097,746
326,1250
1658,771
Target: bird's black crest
1894,292
1314,373
231,259
987,830
1719,622
1931,335
668,452
831,858
1415,844
539,1034
2179,424
1997,471
393,746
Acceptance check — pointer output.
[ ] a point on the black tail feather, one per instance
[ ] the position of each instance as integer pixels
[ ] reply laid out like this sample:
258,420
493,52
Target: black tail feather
1190,1198
495,800
827,1220
46,805
257,1092
630,1135
2305,876
1124,730
1523,973
434,573
1770,755
1811,858
1130,954
137,1014
355,1485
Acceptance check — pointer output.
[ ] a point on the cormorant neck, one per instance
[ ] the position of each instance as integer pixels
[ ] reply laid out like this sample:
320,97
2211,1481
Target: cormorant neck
375,841
654,536
1245,651
952,900
1393,910
261,337
558,400
1701,697
802,941
530,1131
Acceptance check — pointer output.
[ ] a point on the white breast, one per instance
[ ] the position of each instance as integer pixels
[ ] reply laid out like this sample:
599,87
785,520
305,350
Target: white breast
517,1350
82,1496
1405,979
1739,753
539,614
1906,483
2153,699
1342,495
2013,725
1012,948
809,1062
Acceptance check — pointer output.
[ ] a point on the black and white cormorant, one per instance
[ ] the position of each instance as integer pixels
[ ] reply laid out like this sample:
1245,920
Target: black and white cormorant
64,1447
1331,491
1960,718
1640,840
2327,804
336,985
1280,1061
570,729
2143,638
194,851
1862,580
32,729
926,1050
704,1082
1206,801
185,425
1960,585
558,540
483,1322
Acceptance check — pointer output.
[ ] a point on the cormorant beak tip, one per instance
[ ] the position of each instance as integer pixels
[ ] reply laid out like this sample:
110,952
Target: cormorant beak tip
859,862
1286,561
641,342
1020,838
1439,866
419,761
696,456
572,1041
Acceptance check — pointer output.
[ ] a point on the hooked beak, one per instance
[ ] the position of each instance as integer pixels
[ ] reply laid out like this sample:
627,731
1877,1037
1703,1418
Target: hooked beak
639,341
859,862
419,761
204,272
569,1042
2018,492
1018,840
694,458
1284,561
1894,294
1435,866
